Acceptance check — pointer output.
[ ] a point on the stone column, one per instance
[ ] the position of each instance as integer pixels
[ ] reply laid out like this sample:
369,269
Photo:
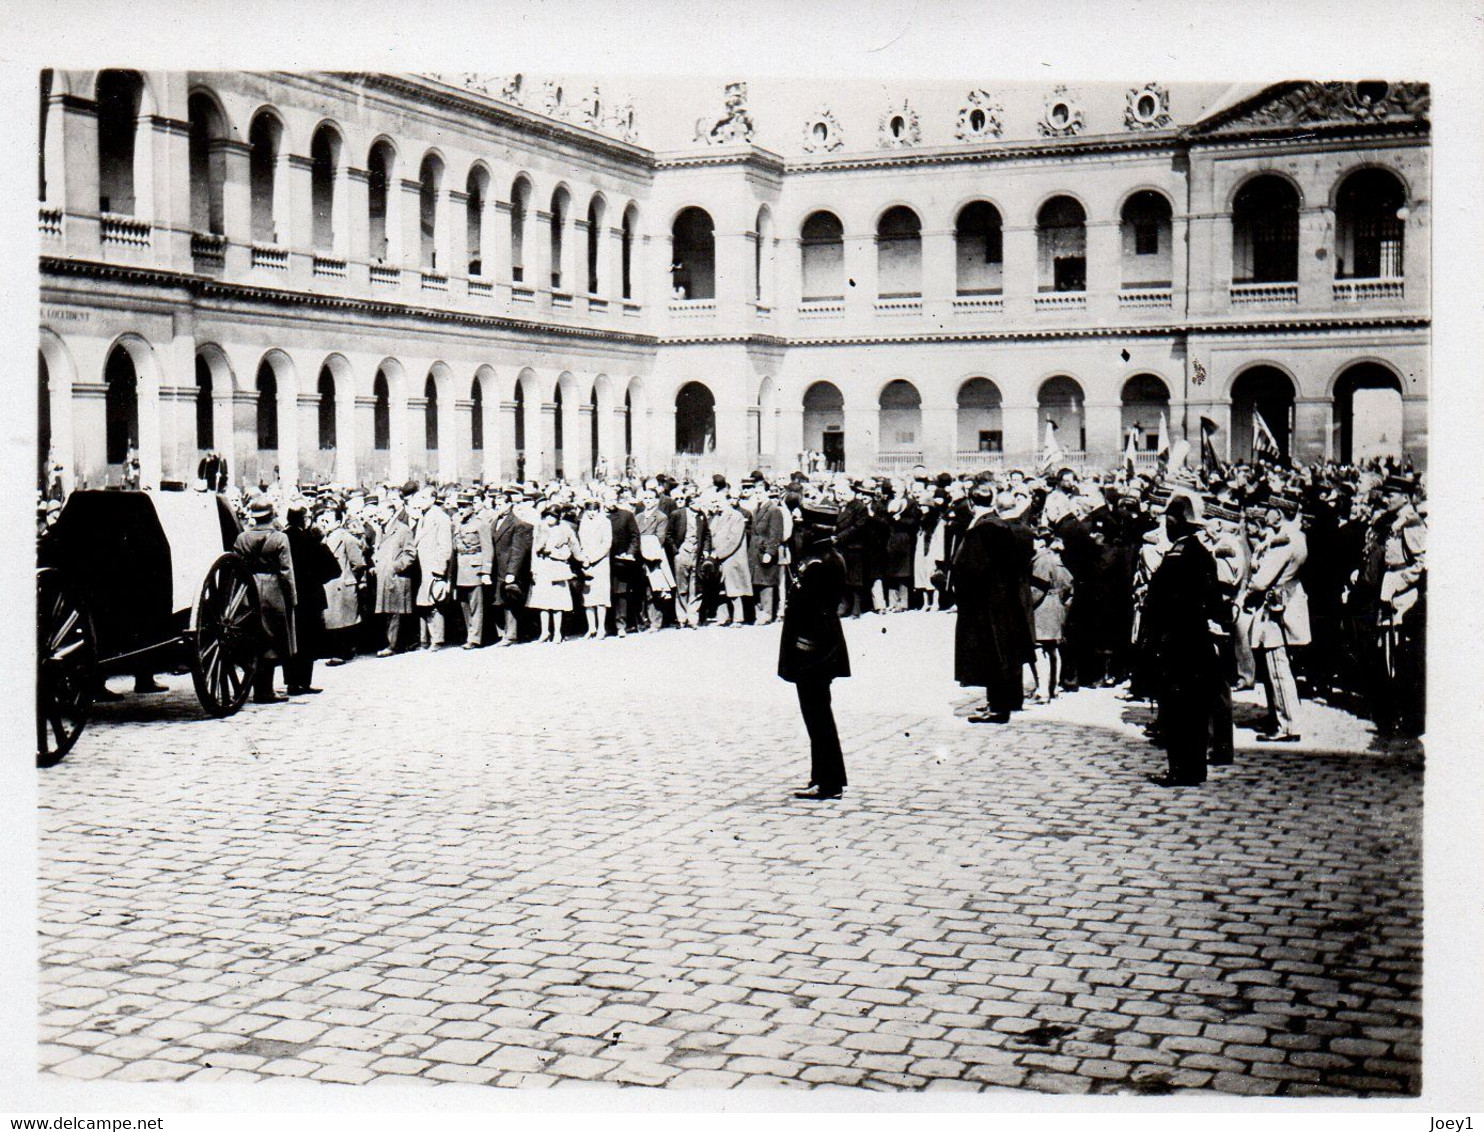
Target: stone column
1104,273
860,299
463,425
353,232
236,163
450,436
546,432
584,443
497,246
1316,258
170,170
406,250
450,239
939,434
365,453
1023,433
293,215
1104,426
314,462
862,437
242,456
939,274
1021,277
506,451
90,431
72,171
789,441
1312,417
419,459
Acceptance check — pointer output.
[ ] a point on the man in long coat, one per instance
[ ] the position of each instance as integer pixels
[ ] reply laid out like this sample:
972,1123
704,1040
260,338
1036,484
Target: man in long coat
314,565
727,537
852,538
992,639
762,552
265,552
432,538
1182,604
512,575
396,564
1280,616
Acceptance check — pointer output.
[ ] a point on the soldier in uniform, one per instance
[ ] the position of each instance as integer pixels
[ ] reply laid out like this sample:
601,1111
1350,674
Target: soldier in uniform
1402,613
474,551
812,651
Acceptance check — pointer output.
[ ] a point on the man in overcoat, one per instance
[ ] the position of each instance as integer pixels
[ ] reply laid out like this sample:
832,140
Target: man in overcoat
763,546
396,564
1184,609
511,546
812,652
628,563
989,576
265,552
314,565
1280,619
852,537
433,540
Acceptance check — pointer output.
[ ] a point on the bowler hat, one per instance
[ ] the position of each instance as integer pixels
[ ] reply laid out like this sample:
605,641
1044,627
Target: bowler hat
819,512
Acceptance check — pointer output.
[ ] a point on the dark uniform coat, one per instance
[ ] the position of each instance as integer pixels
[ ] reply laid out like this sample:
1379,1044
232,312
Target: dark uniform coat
992,640
265,552
1183,660
852,535
314,565
626,552
813,646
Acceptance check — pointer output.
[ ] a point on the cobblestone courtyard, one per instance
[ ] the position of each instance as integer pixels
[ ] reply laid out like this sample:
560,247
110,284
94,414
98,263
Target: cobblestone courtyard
583,863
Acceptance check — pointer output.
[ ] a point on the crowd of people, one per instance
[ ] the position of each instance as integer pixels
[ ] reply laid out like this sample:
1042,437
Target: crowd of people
1310,580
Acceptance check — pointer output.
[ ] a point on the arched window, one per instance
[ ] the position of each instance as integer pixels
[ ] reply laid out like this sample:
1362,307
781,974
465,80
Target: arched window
476,417
1265,392
824,423
327,415
520,201
324,159
695,419
1061,239
762,258
899,254
207,169
630,222
822,256
430,181
120,95
379,187
694,264
477,189
1265,232
1061,402
1146,402
1369,226
205,421
120,406
1368,414
381,414
267,407
265,138
595,214
900,424
981,426
1146,234
979,244
430,413
561,206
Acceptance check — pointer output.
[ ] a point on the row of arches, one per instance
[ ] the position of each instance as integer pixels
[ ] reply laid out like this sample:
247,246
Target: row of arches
1371,209
525,423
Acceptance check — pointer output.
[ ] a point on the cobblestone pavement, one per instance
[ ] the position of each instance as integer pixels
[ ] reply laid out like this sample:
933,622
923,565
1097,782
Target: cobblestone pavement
583,863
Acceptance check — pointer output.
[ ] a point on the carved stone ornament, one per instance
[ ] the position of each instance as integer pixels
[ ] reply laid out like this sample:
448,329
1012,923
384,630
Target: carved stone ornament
732,128
979,118
621,122
510,89
1148,108
553,102
1318,104
899,128
589,110
822,133
1062,116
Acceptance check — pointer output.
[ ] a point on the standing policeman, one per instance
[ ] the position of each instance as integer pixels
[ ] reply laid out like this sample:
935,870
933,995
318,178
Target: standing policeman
812,652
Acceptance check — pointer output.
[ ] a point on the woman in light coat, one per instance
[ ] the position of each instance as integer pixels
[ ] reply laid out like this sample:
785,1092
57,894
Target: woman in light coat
929,550
595,539
554,546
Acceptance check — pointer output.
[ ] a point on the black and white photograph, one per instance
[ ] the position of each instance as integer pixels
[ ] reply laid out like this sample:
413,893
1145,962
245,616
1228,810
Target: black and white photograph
707,582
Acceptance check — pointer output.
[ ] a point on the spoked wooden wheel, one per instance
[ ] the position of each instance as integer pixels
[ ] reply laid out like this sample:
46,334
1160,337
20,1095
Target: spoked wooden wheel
66,667
228,636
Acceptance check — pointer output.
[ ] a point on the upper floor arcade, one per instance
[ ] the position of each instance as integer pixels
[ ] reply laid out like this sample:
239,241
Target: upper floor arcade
407,191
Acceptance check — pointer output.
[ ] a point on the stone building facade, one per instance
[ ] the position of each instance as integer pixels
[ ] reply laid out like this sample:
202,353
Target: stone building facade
366,277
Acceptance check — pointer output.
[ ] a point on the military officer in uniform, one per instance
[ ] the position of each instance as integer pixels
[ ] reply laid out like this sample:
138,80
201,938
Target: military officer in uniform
812,652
